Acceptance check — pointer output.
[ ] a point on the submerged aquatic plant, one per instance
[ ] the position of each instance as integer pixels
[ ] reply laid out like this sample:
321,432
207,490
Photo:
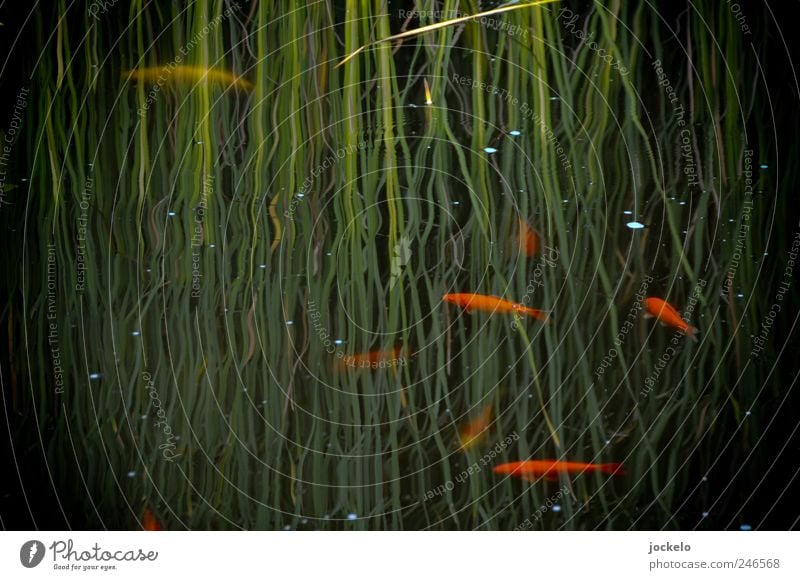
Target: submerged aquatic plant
211,264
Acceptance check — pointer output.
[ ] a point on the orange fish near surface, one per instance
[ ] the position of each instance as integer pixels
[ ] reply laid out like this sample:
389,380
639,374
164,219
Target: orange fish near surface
149,521
666,314
377,359
530,242
183,73
475,430
533,470
470,302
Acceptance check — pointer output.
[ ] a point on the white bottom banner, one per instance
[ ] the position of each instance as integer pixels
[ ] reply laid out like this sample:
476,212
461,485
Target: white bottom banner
401,555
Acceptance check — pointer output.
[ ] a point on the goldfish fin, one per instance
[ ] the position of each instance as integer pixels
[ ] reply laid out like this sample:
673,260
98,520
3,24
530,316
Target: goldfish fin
612,468
542,315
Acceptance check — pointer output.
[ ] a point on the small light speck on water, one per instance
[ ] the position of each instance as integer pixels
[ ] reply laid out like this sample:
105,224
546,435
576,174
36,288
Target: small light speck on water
556,507
95,376
131,474
262,266
764,166
172,213
745,527
289,322
135,333
352,516
490,149
635,225
704,514
514,133
628,212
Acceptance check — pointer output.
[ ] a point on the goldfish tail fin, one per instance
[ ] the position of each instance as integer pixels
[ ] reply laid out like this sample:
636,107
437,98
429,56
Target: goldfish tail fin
542,315
692,333
612,468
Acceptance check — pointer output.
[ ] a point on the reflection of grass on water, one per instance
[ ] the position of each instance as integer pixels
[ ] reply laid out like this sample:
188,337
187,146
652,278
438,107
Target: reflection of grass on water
215,311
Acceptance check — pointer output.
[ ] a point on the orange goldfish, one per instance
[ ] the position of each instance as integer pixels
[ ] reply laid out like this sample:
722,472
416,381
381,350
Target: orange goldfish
475,430
377,359
549,469
530,242
149,521
666,314
472,302
159,74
